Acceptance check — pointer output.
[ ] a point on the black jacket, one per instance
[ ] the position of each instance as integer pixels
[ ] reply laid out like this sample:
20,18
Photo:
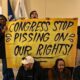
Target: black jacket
2,46
34,74
65,75
76,73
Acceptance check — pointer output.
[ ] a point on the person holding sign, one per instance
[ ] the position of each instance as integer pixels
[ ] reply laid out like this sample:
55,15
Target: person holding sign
60,72
33,15
30,70
7,72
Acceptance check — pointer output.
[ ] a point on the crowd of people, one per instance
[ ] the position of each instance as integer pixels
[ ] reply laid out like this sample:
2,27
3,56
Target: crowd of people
31,69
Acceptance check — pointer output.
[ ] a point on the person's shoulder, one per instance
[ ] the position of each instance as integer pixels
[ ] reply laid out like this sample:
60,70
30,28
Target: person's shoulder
77,68
66,70
21,67
37,64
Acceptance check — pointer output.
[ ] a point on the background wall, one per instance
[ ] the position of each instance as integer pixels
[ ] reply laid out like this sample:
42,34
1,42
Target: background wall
52,8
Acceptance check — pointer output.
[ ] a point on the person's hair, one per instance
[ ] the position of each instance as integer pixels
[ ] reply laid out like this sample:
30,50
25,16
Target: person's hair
56,63
3,21
3,17
33,12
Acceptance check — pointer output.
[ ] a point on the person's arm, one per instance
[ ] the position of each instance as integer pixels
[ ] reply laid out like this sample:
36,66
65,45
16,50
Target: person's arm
38,71
50,75
5,29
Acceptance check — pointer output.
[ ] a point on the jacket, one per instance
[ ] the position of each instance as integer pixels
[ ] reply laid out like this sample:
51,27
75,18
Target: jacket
34,74
76,73
2,46
65,75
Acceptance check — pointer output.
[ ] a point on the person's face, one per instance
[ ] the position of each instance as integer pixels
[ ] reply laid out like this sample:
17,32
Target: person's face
61,65
2,24
2,21
34,15
28,66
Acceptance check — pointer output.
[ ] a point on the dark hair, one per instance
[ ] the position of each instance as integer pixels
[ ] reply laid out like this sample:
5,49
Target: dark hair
32,13
3,17
3,21
56,63
23,58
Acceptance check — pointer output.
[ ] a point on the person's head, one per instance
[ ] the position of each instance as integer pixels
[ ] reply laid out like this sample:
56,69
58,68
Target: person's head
3,21
28,62
33,14
60,64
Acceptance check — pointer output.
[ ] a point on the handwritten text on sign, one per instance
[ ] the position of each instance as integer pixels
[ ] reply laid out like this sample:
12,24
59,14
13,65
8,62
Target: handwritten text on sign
45,40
